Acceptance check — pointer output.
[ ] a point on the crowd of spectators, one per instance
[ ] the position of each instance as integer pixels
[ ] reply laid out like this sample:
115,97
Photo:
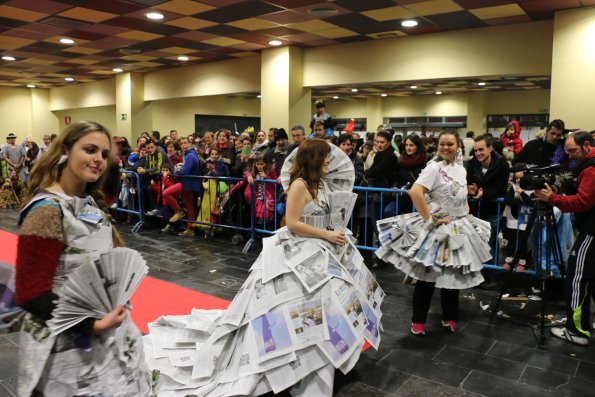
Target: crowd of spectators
212,177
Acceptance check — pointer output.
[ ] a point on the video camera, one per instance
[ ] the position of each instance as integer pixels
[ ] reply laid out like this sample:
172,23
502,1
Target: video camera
536,177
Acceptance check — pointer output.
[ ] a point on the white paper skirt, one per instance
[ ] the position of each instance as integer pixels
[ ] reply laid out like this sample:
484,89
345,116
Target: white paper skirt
306,309
450,255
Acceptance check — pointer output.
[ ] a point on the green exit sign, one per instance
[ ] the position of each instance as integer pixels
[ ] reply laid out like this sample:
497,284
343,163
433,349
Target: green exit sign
123,116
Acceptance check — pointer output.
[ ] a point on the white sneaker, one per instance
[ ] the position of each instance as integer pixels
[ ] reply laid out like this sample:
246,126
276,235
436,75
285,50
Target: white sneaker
566,334
166,229
153,212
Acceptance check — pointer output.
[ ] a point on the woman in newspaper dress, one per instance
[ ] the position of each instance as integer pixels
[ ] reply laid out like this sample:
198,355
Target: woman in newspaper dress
306,308
441,245
62,228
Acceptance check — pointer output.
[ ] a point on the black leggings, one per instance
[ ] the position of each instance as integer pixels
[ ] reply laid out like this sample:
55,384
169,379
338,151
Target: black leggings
422,297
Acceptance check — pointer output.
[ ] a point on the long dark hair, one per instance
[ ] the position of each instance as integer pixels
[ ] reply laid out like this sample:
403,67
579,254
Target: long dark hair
418,157
47,171
308,164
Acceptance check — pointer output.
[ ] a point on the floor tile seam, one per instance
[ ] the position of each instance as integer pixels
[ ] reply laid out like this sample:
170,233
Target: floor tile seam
6,388
439,351
491,347
559,373
553,354
406,382
514,382
363,381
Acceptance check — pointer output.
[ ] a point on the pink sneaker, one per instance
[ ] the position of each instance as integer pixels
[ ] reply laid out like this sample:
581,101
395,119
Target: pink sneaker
449,326
418,329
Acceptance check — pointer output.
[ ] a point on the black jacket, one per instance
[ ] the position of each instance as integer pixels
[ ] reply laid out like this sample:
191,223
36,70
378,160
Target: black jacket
494,182
384,169
358,165
538,152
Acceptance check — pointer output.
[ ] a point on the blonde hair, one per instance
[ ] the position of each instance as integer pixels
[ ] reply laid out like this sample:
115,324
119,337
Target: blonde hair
47,171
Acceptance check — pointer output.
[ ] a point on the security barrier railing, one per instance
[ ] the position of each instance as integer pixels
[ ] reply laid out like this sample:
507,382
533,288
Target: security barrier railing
257,209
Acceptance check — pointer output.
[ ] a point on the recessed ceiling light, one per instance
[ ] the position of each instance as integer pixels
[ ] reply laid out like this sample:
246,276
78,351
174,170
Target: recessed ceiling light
68,79
335,97
117,70
481,83
409,23
30,86
183,58
322,11
7,58
383,94
354,90
66,41
438,92
413,87
275,42
258,96
154,15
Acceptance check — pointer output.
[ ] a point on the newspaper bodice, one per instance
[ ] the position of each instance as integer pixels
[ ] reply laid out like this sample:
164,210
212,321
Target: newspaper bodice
87,232
449,195
317,212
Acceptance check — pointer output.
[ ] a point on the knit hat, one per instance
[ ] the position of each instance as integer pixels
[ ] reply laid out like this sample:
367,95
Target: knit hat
281,134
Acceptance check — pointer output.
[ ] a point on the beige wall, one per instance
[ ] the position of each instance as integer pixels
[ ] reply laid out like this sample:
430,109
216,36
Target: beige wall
463,53
105,115
15,112
25,111
225,77
179,114
524,101
97,93
42,120
573,68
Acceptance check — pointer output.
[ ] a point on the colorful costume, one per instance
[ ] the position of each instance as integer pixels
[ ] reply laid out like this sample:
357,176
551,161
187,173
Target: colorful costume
58,234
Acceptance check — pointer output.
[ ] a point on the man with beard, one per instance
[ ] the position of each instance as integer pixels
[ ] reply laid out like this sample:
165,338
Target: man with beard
580,269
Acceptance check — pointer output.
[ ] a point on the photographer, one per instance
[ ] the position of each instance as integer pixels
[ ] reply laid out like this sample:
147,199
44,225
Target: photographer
580,272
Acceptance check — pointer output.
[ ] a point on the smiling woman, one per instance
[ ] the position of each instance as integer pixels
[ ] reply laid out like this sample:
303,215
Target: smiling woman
62,227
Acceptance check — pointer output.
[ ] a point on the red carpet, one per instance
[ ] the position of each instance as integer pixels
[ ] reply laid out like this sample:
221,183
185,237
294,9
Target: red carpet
152,299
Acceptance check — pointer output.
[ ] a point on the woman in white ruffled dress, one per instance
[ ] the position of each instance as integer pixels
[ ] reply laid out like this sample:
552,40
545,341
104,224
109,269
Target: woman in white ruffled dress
307,307
441,245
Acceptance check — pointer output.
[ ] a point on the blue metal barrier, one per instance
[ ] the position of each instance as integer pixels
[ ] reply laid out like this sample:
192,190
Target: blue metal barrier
129,201
364,216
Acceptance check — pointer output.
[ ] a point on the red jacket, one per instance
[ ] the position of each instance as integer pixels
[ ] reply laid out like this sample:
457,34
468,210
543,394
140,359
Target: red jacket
514,143
584,199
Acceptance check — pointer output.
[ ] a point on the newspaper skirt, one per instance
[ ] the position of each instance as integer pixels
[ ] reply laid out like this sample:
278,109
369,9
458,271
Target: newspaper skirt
306,308
114,365
450,255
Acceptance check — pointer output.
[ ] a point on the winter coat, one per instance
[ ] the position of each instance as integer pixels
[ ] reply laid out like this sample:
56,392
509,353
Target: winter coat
192,167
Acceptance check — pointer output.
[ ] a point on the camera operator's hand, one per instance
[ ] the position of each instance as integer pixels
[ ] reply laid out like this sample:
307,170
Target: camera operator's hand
544,194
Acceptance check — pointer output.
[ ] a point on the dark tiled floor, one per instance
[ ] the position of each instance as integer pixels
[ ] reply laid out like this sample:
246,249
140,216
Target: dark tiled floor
484,359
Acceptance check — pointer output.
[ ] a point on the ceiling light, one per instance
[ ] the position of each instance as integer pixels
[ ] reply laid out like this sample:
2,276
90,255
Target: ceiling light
275,42
335,97
409,23
383,94
183,58
438,92
258,96
30,86
66,41
7,58
354,90
68,79
154,15
322,12
481,83
117,70
413,87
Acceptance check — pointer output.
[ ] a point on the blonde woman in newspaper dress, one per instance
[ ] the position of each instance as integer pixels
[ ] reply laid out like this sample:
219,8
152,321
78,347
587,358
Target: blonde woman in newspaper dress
441,245
61,228
307,307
